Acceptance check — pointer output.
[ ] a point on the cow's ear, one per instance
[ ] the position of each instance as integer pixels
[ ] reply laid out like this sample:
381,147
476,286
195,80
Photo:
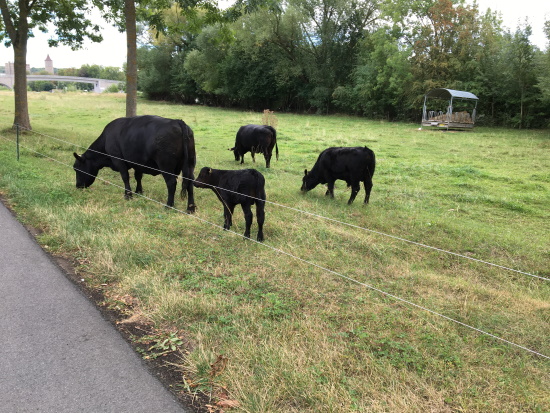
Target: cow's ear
231,149
305,172
78,157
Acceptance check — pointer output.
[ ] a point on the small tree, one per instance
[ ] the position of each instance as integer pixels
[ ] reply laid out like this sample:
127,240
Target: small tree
125,14
131,59
544,68
20,18
520,55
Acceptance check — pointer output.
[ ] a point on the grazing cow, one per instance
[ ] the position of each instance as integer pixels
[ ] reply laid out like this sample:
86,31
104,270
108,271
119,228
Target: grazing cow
255,139
245,187
149,144
352,165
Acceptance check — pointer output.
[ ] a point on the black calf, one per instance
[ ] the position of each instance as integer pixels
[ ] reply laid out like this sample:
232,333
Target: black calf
245,187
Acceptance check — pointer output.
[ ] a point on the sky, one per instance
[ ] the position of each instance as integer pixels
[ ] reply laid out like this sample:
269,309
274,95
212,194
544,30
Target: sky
112,51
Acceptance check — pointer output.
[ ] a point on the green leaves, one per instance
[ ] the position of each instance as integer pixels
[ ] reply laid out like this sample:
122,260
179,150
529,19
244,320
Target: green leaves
159,345
363,57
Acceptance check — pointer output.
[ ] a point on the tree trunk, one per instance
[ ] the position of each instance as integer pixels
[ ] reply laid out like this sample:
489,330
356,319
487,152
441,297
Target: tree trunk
131,60
18,34
20,84
521,108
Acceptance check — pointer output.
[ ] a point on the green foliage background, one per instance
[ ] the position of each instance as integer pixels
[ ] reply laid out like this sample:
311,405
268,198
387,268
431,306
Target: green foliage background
367,57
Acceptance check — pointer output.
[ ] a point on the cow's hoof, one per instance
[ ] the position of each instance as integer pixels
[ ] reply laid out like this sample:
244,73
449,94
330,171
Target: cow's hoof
191,209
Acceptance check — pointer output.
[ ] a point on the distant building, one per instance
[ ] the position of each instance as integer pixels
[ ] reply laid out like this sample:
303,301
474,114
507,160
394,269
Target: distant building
10,70
48,64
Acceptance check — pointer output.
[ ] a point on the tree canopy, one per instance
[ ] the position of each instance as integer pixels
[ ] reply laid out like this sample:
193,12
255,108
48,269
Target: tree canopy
368,57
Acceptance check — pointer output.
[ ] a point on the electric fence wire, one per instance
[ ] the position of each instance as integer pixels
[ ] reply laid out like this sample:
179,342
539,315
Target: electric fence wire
419,244
278,250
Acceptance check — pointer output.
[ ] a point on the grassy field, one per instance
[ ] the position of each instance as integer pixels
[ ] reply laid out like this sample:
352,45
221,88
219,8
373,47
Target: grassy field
296,337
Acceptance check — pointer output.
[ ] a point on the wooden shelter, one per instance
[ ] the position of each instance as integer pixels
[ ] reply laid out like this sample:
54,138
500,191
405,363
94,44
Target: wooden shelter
449,109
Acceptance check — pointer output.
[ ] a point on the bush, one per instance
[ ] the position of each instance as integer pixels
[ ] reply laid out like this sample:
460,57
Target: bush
112,89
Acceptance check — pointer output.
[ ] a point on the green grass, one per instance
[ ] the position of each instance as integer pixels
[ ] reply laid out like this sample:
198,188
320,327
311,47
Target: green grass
298,338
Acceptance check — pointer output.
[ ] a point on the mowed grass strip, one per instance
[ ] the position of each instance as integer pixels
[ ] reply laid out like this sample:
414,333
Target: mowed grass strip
297,338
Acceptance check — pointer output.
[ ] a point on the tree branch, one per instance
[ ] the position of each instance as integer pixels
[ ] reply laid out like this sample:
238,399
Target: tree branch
8,22
310,40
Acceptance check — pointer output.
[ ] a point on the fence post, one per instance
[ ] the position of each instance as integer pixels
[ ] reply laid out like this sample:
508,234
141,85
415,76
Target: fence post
17,139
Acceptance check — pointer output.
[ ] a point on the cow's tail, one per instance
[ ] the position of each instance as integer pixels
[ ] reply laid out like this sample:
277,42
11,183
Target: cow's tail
373,164
275,137
185,169
370,170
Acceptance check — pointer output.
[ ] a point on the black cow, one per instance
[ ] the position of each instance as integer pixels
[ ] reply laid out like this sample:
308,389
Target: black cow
255,139
149,144
352,165
245,187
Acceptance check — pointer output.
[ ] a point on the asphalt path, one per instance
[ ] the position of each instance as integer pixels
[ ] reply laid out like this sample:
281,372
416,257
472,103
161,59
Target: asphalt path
57,352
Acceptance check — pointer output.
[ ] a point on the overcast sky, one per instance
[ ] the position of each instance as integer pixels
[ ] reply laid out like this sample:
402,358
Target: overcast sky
112,51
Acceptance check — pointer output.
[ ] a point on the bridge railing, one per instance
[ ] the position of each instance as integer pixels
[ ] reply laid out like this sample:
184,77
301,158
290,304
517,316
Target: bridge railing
99,84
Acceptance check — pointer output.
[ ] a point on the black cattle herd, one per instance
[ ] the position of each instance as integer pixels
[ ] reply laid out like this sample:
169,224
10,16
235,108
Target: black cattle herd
155,145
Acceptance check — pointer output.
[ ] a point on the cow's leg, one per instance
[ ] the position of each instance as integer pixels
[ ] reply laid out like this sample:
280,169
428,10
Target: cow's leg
138,175
171,184
330,189
121,166
242,158
126,179
354,190
267,157
368,188
228,214
191,207
260,217
247,218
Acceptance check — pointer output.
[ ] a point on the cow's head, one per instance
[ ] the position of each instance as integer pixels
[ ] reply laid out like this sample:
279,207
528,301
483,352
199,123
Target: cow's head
308,182
204,178
235,152
86,171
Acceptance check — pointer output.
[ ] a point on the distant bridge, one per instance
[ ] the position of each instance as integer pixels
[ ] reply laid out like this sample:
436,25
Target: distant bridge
99,84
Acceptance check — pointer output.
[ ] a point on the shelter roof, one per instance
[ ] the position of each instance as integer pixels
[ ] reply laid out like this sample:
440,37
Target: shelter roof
450,93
